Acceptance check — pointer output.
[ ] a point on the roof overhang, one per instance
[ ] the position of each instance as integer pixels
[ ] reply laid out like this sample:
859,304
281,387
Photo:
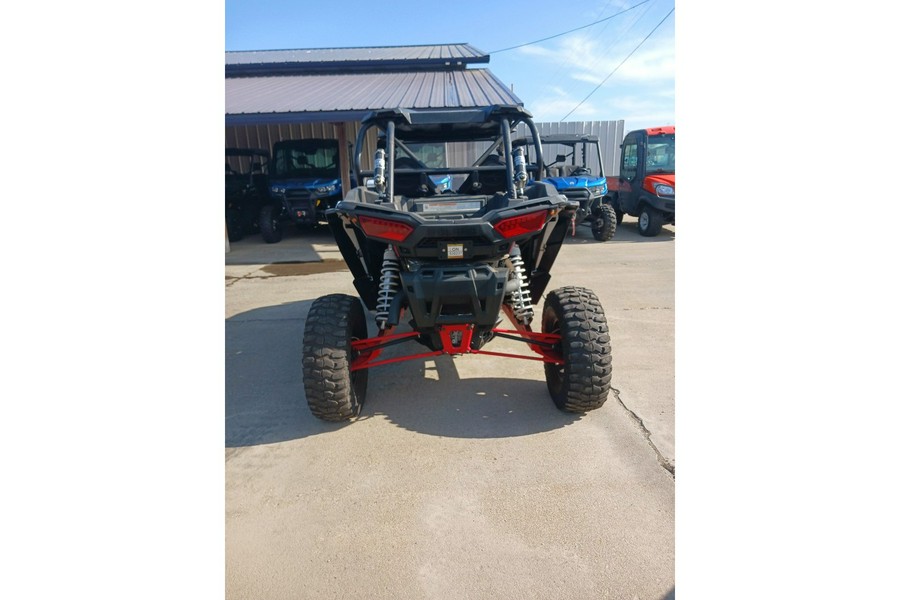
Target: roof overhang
310,61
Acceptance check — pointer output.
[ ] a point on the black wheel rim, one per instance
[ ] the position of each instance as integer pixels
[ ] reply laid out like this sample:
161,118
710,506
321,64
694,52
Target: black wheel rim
555,373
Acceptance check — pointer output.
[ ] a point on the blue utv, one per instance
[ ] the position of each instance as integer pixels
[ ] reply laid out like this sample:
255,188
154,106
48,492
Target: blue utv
304,181
575,179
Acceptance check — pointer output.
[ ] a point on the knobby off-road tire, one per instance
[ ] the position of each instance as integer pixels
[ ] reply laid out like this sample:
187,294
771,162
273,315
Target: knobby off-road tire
270,225
332,391
604,225
650,221
582,382
615,204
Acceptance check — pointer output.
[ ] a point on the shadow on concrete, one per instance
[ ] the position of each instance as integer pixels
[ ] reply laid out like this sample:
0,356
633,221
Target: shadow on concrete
298,245
626,233
670,595
428,396
265,401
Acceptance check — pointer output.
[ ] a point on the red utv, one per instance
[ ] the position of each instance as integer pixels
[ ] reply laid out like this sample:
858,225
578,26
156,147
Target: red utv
645,187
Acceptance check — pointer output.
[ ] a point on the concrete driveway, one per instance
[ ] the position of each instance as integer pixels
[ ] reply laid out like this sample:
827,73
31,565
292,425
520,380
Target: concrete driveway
460,479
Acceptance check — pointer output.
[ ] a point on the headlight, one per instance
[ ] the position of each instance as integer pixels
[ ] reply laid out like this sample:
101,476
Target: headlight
327,189
595,191
278,190
665,190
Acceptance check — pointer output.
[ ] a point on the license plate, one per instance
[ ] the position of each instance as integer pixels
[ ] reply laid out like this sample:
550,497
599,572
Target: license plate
455,251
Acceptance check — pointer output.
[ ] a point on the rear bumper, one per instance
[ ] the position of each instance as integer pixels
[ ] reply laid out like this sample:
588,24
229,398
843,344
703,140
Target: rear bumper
455,294
449,246
428,236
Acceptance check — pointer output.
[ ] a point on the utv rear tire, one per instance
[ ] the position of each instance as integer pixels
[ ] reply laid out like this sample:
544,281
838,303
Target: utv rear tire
233,223
604,225
614,202
333,392
650,221
582,382
270,225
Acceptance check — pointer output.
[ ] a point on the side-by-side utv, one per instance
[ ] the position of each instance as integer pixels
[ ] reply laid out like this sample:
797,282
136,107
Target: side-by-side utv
451,261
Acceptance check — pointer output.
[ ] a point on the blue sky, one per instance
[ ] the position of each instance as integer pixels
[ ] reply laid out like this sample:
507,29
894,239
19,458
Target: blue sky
551,77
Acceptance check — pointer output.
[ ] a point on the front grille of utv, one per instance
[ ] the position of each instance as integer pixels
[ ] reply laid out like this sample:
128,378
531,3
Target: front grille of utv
297,194
578,194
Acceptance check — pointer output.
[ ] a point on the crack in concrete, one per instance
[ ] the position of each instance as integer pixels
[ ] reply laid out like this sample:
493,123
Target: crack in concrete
665,464
230,280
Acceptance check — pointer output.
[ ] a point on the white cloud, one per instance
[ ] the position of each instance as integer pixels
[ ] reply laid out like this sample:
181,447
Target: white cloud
638,111
558,74
588,59
553,109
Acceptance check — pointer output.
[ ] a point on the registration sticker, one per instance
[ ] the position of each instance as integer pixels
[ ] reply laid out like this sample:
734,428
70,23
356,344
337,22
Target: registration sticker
454,250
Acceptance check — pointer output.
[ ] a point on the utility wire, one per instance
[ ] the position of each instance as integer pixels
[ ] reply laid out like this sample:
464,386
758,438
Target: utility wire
569,31
619,65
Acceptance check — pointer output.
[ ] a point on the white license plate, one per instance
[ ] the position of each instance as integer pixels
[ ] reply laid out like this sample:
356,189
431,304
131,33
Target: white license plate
454,250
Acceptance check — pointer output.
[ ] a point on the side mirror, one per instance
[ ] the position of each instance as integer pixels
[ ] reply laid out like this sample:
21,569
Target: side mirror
255,167
560,158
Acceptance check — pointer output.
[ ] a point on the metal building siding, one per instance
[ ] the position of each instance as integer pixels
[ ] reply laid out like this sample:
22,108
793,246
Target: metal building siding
364,91
382,53
610,134
265,136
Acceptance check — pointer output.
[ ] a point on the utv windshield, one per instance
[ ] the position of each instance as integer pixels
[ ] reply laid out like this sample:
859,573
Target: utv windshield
453,156
306,159
433,156
566,155
661,153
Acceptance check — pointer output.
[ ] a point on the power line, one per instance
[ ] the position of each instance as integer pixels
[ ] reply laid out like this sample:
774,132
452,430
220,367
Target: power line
569,31
619,65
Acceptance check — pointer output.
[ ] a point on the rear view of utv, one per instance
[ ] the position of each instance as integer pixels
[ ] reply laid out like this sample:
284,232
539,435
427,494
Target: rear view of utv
450,261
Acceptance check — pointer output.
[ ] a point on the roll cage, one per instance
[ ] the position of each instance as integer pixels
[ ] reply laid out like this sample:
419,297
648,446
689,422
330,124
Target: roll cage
404,126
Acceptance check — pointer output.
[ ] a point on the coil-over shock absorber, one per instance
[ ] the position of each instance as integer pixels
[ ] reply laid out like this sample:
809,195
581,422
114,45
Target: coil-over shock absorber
378,176
387,286
519,295
521,174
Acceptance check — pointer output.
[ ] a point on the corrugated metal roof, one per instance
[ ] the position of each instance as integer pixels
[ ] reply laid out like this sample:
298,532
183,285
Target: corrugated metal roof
378,53
350,96
261,63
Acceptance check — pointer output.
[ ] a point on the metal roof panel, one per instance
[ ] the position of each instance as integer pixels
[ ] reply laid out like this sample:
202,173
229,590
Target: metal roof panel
261,63
355,92
376,53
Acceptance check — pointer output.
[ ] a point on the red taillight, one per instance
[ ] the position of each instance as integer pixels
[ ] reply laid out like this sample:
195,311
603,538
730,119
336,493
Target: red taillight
385,229
513,226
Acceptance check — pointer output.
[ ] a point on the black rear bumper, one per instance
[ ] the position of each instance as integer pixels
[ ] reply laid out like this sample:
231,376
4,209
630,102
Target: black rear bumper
441,289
